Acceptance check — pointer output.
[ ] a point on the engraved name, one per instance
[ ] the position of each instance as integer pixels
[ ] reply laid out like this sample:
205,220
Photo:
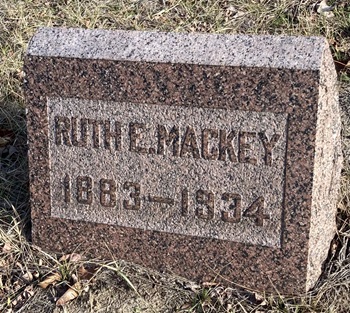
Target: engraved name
236,146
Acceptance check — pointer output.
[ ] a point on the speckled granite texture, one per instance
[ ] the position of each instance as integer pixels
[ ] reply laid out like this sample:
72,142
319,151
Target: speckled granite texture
209,156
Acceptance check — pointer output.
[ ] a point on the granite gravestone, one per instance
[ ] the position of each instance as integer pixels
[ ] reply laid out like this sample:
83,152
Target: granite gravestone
210,156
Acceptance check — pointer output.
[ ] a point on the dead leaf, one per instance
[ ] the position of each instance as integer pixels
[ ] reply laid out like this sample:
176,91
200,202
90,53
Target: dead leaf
74,278
28,292
27,277
20,74
86,273
86,288
51,279
232,12
191,286
208,284
186,306
324,9
14,302
11,150
6,136
18,264
258,297
72,257
3,263
36,274
7,248
70,294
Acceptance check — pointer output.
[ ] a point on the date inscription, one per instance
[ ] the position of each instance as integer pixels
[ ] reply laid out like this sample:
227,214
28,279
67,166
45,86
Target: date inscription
204,200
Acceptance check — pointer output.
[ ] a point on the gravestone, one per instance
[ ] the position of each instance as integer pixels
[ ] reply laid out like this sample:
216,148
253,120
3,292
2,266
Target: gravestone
209,156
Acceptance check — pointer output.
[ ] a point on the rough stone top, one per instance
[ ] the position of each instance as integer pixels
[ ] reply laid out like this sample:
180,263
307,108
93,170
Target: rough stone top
203,49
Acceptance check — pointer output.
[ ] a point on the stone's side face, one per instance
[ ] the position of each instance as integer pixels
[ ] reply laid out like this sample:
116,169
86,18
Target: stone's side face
183,157
328,161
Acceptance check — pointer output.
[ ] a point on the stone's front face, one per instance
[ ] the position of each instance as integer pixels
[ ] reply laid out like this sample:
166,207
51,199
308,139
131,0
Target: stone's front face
194,171
176,157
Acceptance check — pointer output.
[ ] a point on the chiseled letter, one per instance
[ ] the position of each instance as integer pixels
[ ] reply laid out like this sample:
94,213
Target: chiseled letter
189,143
95,133
166,138
225,146
110,134
62,130
79,132
244,147
269,145
135,133
207,134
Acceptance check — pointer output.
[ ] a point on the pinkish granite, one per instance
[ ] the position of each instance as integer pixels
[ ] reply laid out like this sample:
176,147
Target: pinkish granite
209,156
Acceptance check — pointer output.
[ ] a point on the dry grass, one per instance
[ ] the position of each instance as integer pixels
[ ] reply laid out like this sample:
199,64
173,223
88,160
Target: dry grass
125,287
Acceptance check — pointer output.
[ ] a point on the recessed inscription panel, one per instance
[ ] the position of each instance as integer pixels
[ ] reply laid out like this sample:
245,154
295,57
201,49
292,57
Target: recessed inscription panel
213,173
